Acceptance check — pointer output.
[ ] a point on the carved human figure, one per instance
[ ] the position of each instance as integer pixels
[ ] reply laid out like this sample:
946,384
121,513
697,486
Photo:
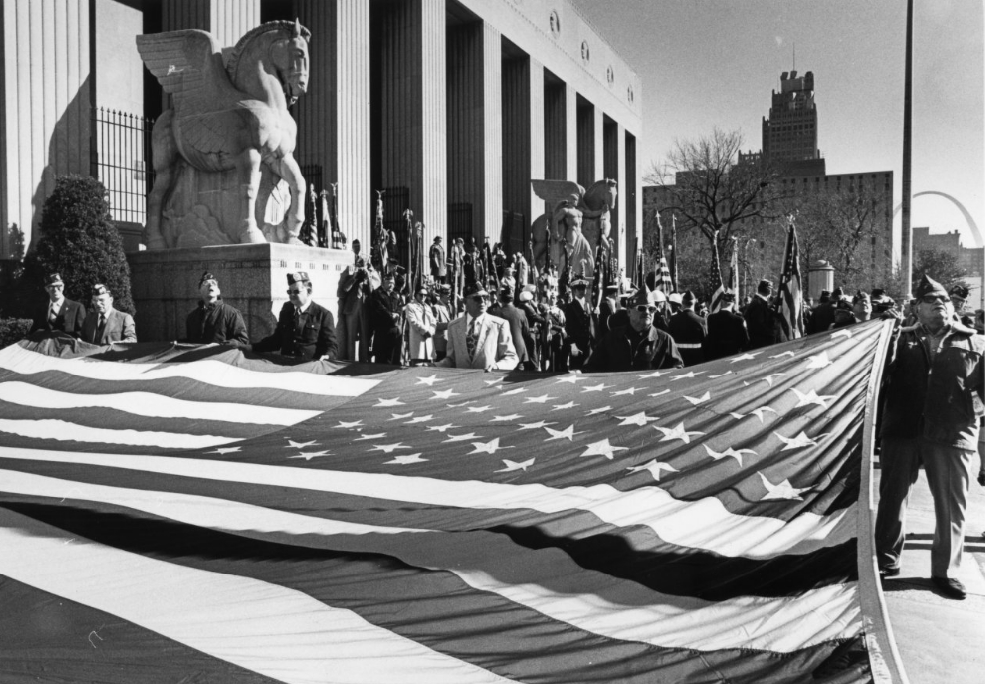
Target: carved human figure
578,250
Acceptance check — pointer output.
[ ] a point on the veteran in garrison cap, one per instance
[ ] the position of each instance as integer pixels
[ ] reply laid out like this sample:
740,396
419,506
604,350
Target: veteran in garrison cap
60,314
759,317
959,297
637,345
105,324
213,321
305,329
688,330
477,339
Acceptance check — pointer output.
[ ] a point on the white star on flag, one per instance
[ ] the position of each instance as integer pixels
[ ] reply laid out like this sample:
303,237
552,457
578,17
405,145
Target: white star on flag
817,362
699,400
444,394
603,448
400,416
462,438
308,455
542,399
513,465
494,380
782,354
389,448
784,490
676,432
594,388
441,428
343,424
487,447
811,397
734,453
518,390
844,332
533,426
640,419
746,357
660,393
720,375
567,433
761,411
419,419
429,380
502,419
477,409
654,374
769,378
797,442
628,390
653,467
571,378
388,402
226,450
561,407
690,374
464,403
376,436
295,445
601,409
406,460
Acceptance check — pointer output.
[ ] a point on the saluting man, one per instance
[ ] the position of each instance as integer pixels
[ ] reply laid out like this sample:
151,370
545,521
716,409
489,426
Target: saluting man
305,329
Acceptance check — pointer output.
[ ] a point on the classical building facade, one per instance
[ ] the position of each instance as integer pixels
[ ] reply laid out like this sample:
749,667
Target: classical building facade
450,106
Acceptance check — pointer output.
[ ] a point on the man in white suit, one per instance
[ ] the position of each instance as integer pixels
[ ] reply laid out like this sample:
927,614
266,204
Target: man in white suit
421,328
477,339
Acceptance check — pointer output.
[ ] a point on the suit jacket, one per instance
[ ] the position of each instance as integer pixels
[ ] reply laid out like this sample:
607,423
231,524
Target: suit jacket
355,286
119,328
493,349
442,317
519,328
727,335
220,323
69,318
382,306
759,319
421,329
618,352
578,325
311,336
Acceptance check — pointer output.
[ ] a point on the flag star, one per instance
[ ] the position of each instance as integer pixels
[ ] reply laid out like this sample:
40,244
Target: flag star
503,419
513,465
477,409
797,442
817,362
567,433
769,378
571,378
759,413
226,450
462,438
594,388
441,428
343,424
659,394
734,453
654,374
653,467
377,436
603,448
518,390
720,375
738,416
464,403
811,397
784,490
746,357
628,390
699,400
494,380
640,419
388,402
389,448
690,374
533,426
782,354
542,399
676,432
561,407
601,409
844,332
297,445
406,460
487,447
444,394
308,455
429,380
400,416
419,419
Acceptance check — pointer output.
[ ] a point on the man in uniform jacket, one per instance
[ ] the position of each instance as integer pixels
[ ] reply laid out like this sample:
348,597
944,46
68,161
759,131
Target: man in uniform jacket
636,346
578,324
477,339
355,287
727,333
214,321
931,417
439,266
519,328
421,326
535,323
759,317
689,332
104,324
384,308
305,329
59,313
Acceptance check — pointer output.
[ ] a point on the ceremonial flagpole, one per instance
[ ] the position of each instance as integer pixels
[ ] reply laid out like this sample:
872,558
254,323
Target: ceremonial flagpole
906,242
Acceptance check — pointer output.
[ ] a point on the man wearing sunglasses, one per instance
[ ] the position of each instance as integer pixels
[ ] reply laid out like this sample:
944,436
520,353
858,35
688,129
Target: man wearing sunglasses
478,339
934,400
305,329
637,346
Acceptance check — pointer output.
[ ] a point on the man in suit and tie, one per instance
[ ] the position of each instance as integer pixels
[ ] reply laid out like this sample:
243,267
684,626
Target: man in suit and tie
60,314
305,329
519,327
104,324
477,339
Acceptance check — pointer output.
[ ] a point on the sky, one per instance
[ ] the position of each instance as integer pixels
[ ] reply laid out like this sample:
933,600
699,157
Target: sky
708,63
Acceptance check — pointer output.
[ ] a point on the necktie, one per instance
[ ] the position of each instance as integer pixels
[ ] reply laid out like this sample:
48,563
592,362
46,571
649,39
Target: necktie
97,335
470,340
52,314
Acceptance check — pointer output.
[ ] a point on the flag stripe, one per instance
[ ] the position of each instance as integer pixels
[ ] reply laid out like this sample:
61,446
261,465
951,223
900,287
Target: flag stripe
62,430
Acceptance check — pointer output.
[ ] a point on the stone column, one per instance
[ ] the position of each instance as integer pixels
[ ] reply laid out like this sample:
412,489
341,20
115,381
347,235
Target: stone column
589,144
622,196
523,140
571,133
599,141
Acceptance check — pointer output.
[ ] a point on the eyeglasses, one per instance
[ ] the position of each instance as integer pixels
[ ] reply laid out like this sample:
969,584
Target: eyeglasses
479,298
643,308
294,292
933,299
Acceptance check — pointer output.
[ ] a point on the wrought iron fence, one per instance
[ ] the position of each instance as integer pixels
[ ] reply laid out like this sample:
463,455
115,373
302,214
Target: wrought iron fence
120,158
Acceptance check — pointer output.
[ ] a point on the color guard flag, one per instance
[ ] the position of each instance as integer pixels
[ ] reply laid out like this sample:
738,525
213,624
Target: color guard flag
791,294
178,513
716,276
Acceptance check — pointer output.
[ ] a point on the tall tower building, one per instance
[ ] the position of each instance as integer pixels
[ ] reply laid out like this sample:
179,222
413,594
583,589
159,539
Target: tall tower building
790,130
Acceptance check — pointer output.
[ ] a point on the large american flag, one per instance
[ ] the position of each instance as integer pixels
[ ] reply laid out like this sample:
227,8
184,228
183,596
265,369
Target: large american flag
174,513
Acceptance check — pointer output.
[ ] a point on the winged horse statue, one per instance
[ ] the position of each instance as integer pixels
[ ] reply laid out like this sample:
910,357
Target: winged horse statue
231,117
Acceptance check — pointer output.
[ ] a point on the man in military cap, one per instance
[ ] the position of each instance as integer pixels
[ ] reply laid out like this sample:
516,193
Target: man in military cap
439,266
636,346
689,331
959,296
519,327
608,306
934,402
861,306
384,308
823,314
478,340
59,313
214,321
759,317
881,303
305,329
104,324
442,317
844,316
578,324
727,333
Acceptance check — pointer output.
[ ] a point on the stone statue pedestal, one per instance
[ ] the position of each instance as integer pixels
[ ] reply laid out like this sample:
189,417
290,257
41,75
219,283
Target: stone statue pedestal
252,277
